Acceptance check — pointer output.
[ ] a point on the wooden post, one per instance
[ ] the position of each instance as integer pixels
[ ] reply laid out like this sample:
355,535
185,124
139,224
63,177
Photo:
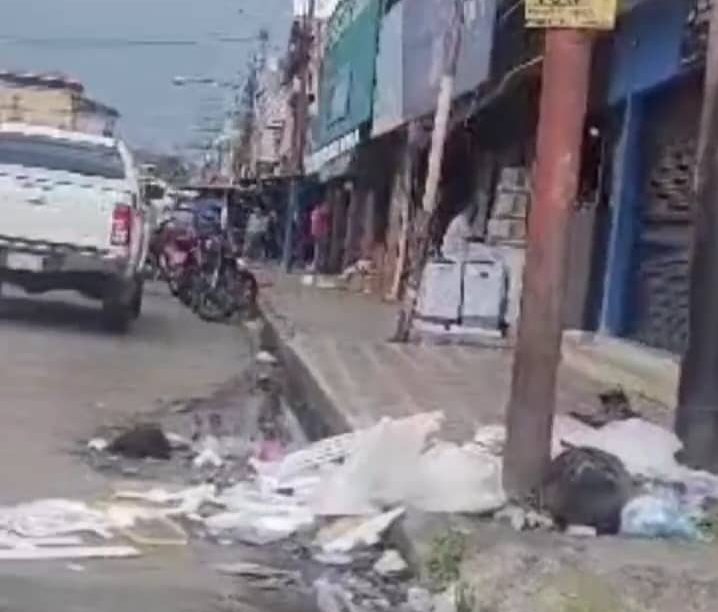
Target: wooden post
566,76
697,415
423,222
299,133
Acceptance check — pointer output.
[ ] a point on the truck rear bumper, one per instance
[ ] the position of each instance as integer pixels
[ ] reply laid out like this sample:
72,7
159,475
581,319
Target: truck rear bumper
39,267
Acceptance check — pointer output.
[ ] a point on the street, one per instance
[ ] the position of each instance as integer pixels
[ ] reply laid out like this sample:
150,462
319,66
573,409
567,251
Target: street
62,378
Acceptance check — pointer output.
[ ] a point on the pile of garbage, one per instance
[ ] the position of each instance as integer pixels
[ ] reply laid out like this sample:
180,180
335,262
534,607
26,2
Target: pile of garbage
619,477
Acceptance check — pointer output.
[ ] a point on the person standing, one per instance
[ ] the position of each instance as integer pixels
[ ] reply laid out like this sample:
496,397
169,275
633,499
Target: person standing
321,228
254,239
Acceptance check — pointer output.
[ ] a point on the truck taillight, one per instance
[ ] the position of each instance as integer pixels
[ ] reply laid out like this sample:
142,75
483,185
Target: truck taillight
121,225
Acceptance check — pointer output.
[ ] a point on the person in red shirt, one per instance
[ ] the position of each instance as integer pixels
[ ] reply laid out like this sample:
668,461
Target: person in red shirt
321,229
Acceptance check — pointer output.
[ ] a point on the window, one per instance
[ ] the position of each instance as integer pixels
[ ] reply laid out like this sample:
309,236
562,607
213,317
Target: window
89,159
339,101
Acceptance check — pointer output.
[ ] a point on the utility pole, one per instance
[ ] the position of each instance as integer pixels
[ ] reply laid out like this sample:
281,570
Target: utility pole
423,221
564,97
697,414
299,132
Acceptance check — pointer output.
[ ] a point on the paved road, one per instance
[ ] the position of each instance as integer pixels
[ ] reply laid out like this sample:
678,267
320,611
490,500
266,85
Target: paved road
61,377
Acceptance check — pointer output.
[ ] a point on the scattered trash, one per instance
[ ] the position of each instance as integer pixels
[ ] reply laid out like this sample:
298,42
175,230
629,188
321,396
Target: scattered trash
366,533
178,442
581,531
615,406
391,563
491,438
394,463
99,445
258,518
419,599
587,486
53,517
31,553
660,515
333,597
156,531
208,458
263,576
76,567
523,520
266,358
142,442
183,502
335,559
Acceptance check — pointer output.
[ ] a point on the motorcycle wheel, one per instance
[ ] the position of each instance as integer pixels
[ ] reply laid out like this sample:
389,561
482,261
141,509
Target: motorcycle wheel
214,306
247,292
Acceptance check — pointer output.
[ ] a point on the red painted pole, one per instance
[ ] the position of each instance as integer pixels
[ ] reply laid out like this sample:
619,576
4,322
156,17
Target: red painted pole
564,97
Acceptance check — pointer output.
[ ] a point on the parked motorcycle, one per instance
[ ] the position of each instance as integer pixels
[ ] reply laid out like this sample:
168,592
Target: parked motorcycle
222,284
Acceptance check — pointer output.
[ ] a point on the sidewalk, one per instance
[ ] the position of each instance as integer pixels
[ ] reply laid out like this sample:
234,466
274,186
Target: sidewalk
340,340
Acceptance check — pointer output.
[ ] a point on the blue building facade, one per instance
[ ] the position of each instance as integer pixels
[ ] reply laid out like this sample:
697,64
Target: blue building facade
654,89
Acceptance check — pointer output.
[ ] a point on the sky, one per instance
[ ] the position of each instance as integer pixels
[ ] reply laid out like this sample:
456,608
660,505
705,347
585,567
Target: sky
126,52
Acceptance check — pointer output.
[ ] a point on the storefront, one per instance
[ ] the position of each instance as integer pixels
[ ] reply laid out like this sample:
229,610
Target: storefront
656,91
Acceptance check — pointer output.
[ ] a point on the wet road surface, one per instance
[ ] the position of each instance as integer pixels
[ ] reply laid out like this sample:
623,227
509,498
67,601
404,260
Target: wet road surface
62,378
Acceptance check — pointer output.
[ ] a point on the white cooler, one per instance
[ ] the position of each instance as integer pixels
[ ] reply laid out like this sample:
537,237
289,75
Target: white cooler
440,293
484,300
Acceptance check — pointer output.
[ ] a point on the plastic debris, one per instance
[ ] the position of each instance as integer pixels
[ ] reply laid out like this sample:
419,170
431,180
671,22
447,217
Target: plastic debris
141,442
31,553
264,576
258,518
183,502
53,517
76,567
419,599
393,463
335,559
391,563
333,597
99,445
659,515
366,533
266,358
208,458
178,442
581,531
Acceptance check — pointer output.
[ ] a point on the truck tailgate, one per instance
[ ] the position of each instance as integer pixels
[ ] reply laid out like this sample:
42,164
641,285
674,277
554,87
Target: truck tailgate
58,207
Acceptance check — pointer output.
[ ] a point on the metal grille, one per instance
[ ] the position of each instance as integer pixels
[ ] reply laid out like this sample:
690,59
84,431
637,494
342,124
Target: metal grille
663,250
695,39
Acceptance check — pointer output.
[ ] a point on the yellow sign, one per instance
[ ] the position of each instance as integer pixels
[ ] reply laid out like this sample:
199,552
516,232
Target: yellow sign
588,14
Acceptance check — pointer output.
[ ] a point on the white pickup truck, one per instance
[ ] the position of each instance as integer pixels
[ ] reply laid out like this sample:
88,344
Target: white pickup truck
71,217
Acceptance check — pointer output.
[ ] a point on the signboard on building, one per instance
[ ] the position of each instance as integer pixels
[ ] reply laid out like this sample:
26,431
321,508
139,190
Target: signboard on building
583,14
412,48
347,79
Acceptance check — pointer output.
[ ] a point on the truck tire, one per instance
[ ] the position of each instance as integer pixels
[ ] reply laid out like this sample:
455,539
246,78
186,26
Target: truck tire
137,300
116,316
119,305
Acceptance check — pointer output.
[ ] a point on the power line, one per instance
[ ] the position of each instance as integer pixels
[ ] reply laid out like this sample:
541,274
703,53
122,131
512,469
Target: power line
121,43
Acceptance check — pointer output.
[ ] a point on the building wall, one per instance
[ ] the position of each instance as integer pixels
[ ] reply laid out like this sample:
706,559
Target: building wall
650,88
51,107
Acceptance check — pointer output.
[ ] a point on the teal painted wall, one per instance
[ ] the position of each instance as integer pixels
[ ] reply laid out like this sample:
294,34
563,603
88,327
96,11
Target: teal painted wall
346,89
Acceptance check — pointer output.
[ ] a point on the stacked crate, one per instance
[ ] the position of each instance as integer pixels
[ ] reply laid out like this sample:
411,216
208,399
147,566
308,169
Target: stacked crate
507,224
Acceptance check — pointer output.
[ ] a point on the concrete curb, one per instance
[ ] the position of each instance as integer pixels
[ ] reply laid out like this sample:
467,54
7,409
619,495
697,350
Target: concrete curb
316,411
320,416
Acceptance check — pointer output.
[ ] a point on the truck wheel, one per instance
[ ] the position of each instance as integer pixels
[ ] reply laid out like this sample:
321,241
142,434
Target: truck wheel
117,317
118,307
137,300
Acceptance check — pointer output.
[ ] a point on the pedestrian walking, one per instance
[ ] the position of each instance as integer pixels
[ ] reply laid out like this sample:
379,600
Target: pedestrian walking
320,229
254,237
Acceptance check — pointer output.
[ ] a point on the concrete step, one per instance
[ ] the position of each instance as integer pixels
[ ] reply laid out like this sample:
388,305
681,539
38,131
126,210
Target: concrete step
633,366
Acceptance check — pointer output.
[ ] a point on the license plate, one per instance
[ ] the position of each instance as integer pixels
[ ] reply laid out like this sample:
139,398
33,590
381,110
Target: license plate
24,261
